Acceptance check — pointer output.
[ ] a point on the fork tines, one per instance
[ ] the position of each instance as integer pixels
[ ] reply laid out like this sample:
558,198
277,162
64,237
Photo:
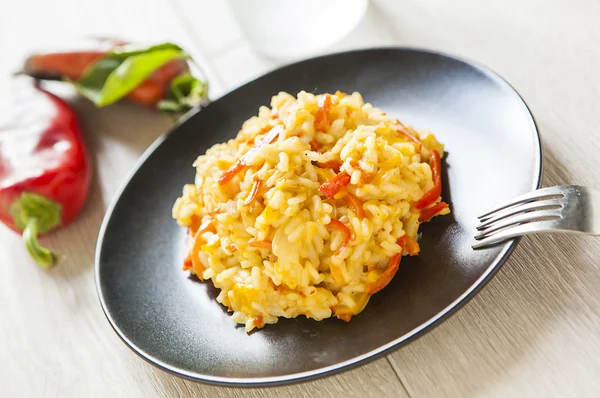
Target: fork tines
531,212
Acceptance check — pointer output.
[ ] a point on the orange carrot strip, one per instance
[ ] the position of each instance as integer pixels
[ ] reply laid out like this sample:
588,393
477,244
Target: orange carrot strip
357,204
402,129
412,246
390,271
238,166
337,224
334,185
231,172
432,211
322,116
264,244
255,188
197,247
434,193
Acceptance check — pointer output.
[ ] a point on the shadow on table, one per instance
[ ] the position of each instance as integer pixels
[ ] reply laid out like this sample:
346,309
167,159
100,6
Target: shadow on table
545,278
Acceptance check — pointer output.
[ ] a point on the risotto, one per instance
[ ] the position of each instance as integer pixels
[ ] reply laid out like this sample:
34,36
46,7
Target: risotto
309,210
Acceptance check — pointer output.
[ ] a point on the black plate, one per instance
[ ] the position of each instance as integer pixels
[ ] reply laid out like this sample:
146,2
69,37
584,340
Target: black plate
493,153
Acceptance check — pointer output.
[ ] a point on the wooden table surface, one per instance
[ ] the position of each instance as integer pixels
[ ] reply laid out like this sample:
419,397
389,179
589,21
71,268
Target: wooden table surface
533,331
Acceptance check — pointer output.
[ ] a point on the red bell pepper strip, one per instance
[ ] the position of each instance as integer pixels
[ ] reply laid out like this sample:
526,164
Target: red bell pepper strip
434,193
240,165
337,224
334,185
45,169
390,271
430,212
357,204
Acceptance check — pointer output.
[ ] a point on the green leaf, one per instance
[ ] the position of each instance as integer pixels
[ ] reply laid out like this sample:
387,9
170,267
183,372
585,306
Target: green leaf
132,72
126,67
92,82
128,50
185,92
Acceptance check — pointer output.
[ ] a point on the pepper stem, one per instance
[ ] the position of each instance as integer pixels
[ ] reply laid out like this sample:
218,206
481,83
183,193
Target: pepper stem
42,256
35,215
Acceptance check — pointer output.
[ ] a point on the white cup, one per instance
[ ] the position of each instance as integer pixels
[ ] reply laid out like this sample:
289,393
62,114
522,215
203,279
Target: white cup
296,28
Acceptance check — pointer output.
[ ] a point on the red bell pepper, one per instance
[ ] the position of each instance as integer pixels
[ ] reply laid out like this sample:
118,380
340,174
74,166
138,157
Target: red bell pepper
45,169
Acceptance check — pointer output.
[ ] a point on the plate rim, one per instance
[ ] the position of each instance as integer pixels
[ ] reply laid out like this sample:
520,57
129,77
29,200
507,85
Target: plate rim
365,358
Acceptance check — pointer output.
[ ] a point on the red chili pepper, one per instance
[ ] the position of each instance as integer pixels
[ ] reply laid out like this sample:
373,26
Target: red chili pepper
432,211
69,62
152,90
334,185
45,169
434,193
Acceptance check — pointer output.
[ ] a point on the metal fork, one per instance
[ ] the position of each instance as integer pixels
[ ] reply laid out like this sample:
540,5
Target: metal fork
567,208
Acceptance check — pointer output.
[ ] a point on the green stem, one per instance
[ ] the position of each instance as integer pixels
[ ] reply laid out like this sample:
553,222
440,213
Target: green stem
42,256
34,214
